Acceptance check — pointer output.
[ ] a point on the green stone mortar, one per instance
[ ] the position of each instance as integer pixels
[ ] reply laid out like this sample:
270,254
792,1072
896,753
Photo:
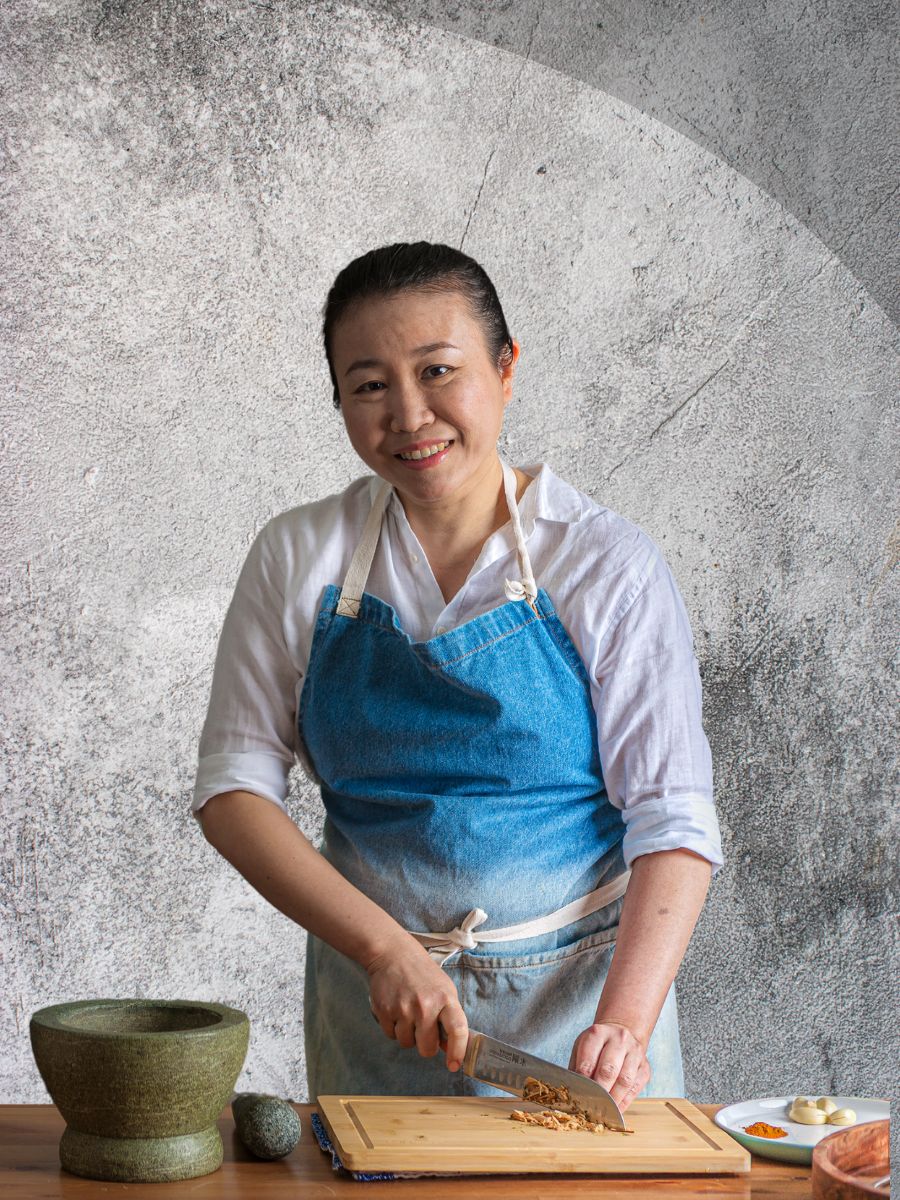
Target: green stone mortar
140,1083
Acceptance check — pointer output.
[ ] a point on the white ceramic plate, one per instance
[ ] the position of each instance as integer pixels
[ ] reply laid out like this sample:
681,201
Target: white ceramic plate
798,1145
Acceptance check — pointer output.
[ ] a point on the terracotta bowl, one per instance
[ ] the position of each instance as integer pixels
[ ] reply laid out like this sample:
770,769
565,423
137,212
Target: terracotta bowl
846,1164
140,1083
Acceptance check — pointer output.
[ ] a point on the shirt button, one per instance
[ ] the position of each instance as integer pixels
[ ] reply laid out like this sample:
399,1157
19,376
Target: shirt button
442,629
414,557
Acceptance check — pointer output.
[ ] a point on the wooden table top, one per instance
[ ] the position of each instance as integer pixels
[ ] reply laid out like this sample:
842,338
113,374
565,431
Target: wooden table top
30,1170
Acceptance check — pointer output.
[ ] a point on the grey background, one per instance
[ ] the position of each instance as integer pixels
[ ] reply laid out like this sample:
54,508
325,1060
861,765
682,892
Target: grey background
690,217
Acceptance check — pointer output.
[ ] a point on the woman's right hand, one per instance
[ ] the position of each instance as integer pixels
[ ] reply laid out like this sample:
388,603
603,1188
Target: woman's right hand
409,994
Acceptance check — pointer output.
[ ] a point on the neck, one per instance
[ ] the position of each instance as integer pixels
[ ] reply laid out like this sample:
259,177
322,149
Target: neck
455,524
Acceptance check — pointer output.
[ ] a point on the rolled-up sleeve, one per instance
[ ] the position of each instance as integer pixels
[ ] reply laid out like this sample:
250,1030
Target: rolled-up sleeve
654,753
248,739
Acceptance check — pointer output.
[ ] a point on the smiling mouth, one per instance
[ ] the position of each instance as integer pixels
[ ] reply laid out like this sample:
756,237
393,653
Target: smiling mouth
415,455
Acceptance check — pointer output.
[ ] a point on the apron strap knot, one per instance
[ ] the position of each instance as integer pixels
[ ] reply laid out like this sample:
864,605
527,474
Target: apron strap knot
516,590
442,946
462,935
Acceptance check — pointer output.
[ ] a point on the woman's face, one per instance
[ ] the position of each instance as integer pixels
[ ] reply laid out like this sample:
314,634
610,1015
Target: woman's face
403,395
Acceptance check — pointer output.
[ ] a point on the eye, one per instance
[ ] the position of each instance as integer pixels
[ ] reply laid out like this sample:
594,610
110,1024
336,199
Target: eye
437,367
364,388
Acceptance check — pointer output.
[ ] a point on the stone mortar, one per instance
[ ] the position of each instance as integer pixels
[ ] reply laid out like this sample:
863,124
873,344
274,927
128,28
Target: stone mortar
140,1083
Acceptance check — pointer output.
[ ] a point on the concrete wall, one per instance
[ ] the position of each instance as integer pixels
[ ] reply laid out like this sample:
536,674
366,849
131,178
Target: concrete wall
689,232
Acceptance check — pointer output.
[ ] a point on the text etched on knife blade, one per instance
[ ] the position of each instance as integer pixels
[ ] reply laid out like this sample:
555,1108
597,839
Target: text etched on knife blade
507,1056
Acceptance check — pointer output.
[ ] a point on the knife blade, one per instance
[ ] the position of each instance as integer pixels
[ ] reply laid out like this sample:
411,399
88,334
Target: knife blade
507,1067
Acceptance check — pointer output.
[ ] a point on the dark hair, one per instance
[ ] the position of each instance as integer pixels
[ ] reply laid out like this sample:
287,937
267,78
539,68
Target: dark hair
417,266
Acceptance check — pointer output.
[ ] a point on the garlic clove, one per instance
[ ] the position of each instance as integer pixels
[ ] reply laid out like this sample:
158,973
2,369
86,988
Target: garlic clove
807,1114
826,1104
842,1116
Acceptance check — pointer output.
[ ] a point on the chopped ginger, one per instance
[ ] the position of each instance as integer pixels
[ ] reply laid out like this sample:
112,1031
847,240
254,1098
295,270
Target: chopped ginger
554,1117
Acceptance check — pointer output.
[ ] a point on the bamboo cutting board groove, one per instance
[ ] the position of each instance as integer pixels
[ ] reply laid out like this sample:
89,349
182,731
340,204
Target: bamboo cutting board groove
474,1135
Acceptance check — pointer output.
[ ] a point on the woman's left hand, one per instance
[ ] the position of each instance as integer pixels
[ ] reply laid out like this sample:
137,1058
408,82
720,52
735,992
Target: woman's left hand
612,1055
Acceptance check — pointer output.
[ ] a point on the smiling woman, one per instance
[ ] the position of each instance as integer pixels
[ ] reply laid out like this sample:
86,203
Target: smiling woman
426,415
491,677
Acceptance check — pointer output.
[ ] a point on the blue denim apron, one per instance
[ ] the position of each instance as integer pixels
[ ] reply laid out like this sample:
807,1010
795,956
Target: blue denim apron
462,783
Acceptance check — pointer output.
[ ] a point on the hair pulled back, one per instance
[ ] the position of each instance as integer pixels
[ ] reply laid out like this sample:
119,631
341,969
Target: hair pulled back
417,266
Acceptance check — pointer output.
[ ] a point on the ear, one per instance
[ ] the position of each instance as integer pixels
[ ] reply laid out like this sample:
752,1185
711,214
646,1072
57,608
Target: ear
506,373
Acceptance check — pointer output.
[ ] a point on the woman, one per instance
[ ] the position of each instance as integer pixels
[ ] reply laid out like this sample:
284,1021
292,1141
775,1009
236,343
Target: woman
492,679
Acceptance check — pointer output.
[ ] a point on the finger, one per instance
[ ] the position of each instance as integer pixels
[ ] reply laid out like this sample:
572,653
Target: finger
609,1064
427,1037
384,1021
456,1028
405,1033
642,1081
586,1051
631,1078
632,1094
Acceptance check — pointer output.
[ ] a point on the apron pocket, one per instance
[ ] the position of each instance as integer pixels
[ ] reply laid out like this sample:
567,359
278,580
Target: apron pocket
542,1002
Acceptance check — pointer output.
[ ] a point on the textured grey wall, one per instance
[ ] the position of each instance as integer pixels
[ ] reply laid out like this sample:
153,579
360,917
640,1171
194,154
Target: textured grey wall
701,300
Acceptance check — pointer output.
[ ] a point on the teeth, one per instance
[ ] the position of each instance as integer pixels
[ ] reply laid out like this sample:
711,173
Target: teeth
426,453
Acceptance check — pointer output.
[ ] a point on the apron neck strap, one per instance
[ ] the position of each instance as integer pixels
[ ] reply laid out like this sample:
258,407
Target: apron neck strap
526,588
361,563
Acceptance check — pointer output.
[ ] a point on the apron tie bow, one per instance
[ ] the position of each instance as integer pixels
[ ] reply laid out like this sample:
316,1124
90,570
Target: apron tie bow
462,935
442,946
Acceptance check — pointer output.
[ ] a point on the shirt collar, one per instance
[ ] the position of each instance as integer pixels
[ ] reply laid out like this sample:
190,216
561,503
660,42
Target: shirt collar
548,498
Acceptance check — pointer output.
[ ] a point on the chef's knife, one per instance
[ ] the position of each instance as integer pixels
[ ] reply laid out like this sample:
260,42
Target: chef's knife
506,1067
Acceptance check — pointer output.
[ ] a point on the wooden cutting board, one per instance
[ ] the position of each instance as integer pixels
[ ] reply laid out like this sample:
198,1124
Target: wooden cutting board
474,1135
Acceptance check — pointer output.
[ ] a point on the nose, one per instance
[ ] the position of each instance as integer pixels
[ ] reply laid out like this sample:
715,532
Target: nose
409,411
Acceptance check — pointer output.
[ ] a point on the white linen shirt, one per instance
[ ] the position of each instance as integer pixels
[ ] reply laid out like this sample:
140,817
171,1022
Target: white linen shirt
611,588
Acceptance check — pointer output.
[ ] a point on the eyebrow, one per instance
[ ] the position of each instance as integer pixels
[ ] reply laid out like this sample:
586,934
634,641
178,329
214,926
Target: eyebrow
375,362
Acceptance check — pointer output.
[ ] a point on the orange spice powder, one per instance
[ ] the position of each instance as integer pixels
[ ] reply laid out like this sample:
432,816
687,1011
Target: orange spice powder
761,1129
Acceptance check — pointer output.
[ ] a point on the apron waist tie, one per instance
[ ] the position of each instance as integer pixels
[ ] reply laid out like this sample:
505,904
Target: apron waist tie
442,946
